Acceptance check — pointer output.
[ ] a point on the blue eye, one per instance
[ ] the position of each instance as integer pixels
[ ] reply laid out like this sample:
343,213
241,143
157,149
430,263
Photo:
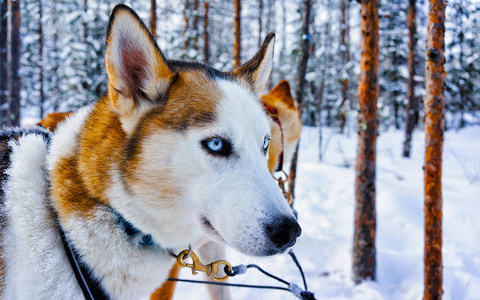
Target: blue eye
215,145
266,142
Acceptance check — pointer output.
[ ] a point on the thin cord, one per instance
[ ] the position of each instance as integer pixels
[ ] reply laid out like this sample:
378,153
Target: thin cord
268,274
294,257
231,284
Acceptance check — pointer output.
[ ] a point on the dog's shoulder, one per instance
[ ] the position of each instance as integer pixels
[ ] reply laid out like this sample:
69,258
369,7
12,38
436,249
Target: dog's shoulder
9,135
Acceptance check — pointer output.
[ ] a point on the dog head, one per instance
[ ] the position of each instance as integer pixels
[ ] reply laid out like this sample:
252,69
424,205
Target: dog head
286,132
198,139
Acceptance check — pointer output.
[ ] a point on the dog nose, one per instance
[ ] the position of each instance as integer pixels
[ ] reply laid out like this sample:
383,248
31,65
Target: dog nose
283,232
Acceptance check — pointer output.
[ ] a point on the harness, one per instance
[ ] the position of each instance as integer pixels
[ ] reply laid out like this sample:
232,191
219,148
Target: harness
90,285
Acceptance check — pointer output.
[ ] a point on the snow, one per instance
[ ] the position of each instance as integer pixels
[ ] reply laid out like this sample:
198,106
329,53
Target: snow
325,203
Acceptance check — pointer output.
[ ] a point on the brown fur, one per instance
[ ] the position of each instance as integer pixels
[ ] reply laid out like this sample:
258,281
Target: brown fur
85,172
168,288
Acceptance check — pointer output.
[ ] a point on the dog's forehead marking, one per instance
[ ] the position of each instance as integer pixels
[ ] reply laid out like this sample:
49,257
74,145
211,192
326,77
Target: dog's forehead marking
242,111
192,101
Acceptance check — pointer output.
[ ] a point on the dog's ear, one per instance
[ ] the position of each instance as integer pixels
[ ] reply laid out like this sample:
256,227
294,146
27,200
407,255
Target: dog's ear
138,73
282,92
256,71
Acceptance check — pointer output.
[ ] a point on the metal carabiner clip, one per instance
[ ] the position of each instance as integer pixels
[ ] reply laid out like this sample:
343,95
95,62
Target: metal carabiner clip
211,269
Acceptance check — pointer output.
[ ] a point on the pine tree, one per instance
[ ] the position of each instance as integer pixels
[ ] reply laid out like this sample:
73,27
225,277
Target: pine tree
237,45
300,82
463,75
153,18
412,107
13,63
364,253
345,54
186,28
206,36
260,17
3,61
434,128
394,58
195,24
40,59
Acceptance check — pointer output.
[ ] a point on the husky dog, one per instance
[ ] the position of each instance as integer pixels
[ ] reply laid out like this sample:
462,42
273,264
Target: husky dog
175,153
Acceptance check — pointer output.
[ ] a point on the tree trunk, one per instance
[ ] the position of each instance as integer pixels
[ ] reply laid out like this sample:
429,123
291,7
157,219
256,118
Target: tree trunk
3,60
195,25
318,97
206,43
56,63
186,37
260,16
13,63
364,261
292,174
153,18
345,53
300,84
85,43
318,94
434,128
40,57
271,28
237,28
283,49
305,50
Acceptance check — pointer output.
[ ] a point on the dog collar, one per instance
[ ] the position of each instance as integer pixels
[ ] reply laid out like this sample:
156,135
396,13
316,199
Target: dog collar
133,232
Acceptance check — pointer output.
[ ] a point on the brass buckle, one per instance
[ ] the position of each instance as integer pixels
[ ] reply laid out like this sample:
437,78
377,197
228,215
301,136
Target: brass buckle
211,269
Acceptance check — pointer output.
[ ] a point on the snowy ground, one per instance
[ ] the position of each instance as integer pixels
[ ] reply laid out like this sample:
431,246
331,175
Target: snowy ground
325,193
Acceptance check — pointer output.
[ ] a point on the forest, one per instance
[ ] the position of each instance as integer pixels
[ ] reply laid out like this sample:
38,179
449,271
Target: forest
382,86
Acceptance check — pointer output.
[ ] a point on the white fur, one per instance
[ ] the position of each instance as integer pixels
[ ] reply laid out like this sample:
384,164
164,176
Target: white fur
68,130
36,264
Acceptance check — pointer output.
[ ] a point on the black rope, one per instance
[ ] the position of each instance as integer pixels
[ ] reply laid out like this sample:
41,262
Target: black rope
236,271
232,284
294,257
